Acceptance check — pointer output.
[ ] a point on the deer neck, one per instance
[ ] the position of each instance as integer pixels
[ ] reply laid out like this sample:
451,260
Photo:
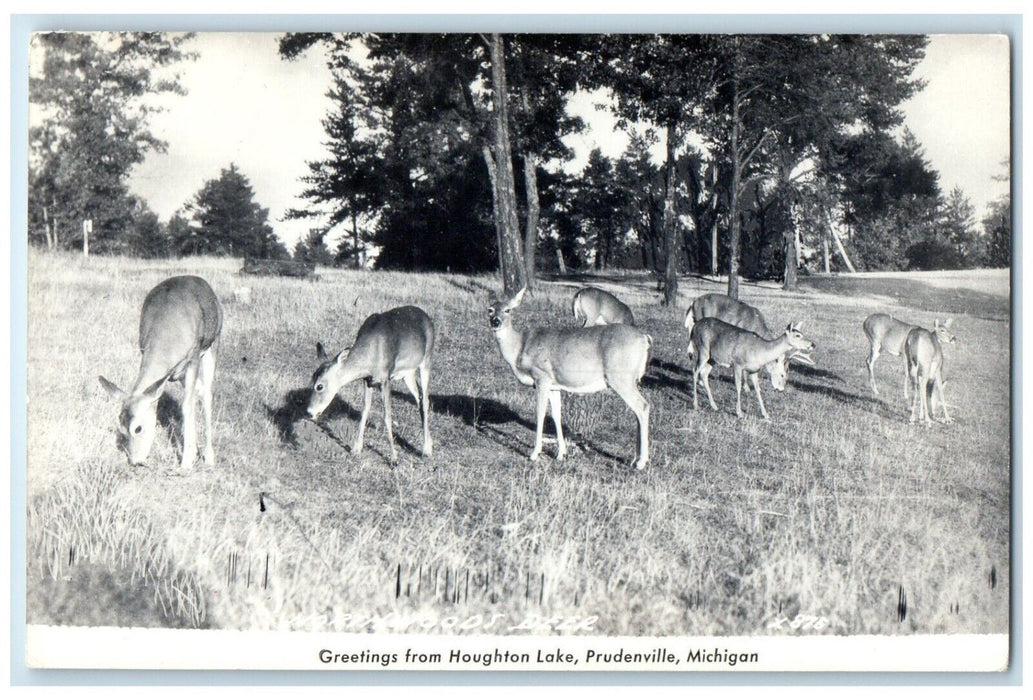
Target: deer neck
511,345
154,365
774,349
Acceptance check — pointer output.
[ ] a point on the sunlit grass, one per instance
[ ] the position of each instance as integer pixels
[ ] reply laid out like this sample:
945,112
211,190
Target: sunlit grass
828,510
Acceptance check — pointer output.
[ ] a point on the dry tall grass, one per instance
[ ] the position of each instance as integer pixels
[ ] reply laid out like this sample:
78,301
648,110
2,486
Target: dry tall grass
831,509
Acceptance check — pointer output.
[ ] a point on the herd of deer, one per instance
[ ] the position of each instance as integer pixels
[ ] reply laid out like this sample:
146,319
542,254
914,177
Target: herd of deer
181,320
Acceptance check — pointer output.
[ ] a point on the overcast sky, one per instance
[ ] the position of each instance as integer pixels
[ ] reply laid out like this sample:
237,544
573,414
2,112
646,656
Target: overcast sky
247,106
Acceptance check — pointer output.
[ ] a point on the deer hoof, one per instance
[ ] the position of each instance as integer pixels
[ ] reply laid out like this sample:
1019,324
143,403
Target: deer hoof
534,456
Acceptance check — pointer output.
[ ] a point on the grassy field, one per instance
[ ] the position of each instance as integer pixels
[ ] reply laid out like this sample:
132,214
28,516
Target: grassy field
836,509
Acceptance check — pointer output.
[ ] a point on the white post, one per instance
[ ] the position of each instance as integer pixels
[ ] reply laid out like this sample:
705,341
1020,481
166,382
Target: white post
87,227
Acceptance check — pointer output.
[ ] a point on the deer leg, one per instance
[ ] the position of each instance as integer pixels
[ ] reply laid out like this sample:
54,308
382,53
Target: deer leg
938,384
555,404
543,402
205,382
428,445
629,392
367,402
921,389
872,356
707,368
410,384
760,399
189,409
915,407
906,379
737,374
385,391
695,386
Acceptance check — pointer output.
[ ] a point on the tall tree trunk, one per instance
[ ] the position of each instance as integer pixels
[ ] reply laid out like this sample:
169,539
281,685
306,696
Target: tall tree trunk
713,225
533,213
671,246
355,241
791,255
507,225
489,161
733,207
713,247
791,234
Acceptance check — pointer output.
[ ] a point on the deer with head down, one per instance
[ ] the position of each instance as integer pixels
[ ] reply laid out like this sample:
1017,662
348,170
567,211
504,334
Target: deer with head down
575,360
180,321
594,307
396,344
715,342
923,355
742,315
887,334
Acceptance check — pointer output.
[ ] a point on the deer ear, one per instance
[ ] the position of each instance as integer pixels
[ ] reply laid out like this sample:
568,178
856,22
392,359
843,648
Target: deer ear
803,358
112,390
514,302
152,392
343,355
947,323
320,352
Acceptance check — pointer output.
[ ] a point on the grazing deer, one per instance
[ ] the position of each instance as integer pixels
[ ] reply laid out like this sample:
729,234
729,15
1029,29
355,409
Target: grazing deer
924,357
395,344
887,334
715,342
594,307
576,360
736,313
180,321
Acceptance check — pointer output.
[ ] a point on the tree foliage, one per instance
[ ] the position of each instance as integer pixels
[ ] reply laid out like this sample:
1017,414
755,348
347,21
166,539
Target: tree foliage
997,229
417,118
226,220
89,125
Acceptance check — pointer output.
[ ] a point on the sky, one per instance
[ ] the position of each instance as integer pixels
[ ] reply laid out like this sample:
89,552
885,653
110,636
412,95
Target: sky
247,106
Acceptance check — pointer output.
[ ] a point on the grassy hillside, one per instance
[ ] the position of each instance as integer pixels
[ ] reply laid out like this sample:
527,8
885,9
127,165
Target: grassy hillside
833,509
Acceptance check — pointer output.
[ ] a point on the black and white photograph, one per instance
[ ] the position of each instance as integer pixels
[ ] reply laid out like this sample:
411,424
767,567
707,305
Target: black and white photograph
519,350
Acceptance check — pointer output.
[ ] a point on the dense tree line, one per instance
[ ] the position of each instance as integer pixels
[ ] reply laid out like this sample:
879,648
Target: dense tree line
89,128
448,152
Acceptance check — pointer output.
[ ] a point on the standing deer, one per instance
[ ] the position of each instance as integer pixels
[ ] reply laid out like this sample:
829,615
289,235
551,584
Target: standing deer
720,343
395,344
594,307
887,334
179,323
576,360
741,315
924,358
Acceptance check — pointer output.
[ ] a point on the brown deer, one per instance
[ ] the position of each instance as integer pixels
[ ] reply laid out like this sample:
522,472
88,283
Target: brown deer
742,315
180,321
887,334
923,355
575,360
594,307
396,344
715,342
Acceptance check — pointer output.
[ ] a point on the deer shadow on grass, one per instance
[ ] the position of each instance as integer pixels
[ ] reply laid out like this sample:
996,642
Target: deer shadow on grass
294,408
879,406
488,416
